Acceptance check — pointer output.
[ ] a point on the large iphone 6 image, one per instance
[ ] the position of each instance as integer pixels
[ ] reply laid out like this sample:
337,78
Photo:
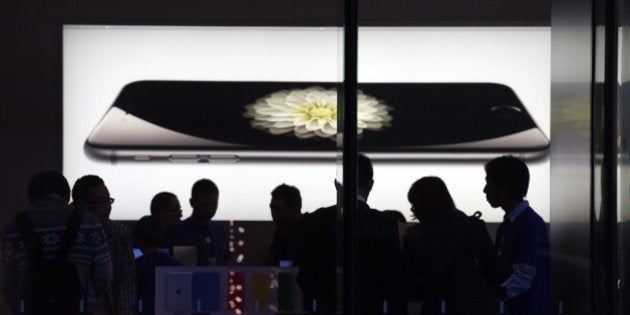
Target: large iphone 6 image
207,120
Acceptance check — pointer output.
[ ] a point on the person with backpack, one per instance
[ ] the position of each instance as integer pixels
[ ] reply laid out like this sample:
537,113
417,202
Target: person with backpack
448,257
54,259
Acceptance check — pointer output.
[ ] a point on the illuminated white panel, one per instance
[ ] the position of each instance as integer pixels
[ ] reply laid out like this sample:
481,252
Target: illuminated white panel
98,61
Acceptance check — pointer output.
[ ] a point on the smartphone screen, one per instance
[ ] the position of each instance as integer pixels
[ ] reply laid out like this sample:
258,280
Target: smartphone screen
394,118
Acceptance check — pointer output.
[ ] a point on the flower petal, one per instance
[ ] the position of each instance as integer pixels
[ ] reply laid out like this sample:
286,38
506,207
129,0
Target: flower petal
312,112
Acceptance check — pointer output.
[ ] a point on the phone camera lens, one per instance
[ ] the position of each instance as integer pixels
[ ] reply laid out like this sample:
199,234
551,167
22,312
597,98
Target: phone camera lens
505,110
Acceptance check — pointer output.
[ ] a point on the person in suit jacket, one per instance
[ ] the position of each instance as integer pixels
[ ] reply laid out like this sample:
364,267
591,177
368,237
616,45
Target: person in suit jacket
377,263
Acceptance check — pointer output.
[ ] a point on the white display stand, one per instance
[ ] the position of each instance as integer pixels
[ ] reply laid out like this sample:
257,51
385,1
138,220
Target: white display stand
226,290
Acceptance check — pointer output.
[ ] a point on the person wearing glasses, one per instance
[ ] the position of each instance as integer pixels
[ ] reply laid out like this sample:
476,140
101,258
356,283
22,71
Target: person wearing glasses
90,194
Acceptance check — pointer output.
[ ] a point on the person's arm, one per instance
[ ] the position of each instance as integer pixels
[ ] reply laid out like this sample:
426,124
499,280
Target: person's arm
527,256
519,281
101,273
488,257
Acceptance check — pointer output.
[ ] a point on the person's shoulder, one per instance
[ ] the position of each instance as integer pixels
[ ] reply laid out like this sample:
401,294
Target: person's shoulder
530,216
461,214
217,226
119,227
89,221
531,222
185,223
320,217
475,219
414,229
365,209
396,215
301,221
323,212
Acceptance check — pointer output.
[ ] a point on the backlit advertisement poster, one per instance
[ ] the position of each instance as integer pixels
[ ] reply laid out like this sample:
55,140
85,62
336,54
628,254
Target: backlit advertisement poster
155,108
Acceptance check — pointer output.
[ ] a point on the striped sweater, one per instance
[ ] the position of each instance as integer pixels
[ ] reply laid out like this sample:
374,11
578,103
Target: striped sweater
122,295
89,253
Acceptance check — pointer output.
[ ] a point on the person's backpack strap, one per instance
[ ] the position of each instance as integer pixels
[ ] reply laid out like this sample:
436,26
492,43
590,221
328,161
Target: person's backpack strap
70,234
33,244
28,235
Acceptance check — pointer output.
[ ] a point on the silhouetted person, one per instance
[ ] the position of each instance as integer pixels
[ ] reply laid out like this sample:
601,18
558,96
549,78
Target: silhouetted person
286,205
166,209
49,214
377,263
209,237
522,239
448,255
149,237
90,194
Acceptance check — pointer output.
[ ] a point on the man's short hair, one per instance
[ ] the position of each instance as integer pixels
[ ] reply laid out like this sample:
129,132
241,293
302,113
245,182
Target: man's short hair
364,170
161,201
47,183
203,186
510,171
81,188
290,195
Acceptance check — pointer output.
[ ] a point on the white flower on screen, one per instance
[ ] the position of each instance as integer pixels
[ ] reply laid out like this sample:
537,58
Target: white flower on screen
312,112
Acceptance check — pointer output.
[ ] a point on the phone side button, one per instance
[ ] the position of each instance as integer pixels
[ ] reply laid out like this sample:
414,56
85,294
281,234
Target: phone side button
142,158
223,158
183,158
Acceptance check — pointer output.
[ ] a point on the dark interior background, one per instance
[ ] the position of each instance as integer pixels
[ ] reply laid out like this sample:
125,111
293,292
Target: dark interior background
30,55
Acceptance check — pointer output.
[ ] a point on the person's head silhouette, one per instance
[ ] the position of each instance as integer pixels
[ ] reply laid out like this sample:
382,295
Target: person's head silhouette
90,194
204,200
285,205
427,196
165,207
507,182
48,183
